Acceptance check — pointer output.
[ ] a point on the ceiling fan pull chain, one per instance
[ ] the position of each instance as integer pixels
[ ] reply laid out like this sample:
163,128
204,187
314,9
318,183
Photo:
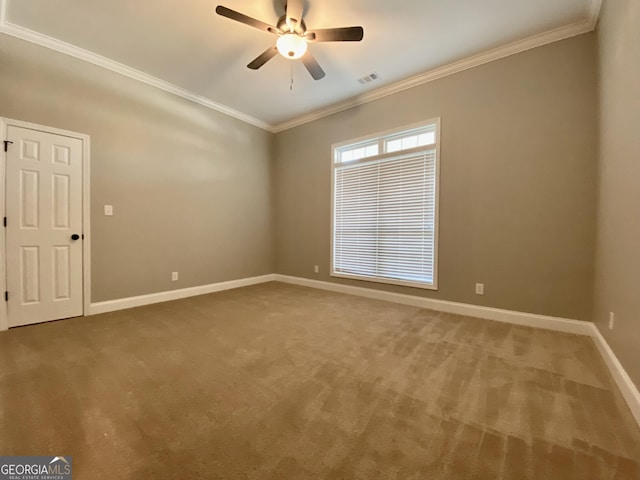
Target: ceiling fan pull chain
291,72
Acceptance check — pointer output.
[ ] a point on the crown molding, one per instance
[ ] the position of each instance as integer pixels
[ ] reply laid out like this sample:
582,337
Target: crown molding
444,71
46,41
504,51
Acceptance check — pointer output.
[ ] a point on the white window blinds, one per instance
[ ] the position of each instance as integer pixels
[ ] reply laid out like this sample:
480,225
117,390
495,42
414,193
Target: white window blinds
385,216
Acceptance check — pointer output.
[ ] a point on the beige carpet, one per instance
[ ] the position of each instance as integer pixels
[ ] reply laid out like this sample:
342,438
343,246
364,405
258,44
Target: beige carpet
283,382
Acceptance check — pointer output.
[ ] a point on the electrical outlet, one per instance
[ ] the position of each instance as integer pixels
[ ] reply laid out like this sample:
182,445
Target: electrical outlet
108,210
612,320
316,269
479,288
174,276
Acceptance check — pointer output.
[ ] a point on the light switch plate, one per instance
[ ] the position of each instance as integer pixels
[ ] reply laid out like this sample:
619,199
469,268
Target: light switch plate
108,210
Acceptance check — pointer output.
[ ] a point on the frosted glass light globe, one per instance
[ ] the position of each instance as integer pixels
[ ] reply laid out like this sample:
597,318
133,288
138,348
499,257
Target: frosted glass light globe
291,46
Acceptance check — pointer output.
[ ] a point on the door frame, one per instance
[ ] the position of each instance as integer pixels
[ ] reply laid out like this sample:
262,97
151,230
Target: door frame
86,210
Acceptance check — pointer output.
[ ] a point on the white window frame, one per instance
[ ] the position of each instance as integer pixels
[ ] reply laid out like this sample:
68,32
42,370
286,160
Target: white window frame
382,137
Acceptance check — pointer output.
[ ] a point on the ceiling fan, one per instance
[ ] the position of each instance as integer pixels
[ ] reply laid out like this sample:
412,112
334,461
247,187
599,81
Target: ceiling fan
293,36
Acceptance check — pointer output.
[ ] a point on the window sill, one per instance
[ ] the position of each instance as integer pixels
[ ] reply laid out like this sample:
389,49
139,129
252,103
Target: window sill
388,281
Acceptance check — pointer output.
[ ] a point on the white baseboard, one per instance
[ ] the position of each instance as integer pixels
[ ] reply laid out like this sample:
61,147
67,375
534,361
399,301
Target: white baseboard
628,389
507,316
130,302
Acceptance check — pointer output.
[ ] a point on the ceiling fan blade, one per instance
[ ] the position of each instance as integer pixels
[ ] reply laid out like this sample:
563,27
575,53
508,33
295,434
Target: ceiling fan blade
343,34
263,58
294,13
242,18
312,65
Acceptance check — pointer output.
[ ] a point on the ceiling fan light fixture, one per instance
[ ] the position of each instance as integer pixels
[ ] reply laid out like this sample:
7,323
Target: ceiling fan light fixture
291,46
293,36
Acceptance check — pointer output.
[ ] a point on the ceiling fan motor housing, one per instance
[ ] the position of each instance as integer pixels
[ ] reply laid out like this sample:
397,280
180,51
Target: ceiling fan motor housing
284,27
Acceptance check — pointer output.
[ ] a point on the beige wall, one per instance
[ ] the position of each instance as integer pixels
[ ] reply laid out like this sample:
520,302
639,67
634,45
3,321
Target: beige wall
517,193
190,187
617,286
518,180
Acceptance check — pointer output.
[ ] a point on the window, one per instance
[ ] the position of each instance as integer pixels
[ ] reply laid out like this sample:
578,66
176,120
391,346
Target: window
385,212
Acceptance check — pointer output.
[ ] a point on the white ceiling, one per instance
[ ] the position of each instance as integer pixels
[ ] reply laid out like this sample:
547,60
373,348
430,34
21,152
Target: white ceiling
184,43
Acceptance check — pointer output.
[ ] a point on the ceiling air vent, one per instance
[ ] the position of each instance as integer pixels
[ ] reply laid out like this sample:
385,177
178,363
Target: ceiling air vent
372,77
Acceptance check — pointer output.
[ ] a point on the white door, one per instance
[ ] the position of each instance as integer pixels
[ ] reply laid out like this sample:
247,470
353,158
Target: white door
44,217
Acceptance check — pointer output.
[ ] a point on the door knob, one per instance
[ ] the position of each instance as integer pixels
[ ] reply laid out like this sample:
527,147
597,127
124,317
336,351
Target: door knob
75,236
